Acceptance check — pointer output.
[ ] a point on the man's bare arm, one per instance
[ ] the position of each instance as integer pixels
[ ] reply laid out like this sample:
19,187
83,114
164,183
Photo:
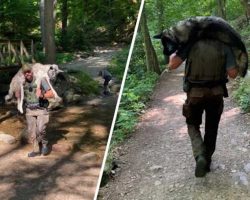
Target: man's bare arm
174,61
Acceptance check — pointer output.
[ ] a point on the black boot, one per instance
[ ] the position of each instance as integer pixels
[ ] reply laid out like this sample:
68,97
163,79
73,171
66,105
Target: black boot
45,150
201,165
209,160
33,154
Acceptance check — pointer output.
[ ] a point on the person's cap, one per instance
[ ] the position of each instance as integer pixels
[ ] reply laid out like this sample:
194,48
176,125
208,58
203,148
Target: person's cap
26,67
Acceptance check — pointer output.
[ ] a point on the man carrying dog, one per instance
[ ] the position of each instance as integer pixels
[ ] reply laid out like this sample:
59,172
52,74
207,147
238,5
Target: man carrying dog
36,94
208,64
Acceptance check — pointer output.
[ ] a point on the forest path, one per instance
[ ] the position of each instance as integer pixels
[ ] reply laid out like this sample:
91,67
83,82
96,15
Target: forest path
93,64
156,162
78,135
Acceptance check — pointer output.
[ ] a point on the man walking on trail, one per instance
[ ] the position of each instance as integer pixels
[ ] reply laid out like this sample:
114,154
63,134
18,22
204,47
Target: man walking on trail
208,64
36,94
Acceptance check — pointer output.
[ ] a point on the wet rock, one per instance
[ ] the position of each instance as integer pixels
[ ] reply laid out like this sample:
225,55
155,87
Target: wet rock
68,96
247,168
53,104
6,138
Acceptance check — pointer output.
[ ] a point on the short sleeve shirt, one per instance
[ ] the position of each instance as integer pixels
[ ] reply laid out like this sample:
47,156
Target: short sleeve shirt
44,85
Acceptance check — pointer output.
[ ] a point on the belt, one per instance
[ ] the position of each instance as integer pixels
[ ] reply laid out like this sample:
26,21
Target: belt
33,106
206,85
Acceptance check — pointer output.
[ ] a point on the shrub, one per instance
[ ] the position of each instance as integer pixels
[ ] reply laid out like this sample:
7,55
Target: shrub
242,94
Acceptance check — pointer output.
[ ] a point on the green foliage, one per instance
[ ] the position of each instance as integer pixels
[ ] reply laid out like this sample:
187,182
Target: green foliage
242,94
95,22
118,63
136,94
89,23
85,82
62,58
19,18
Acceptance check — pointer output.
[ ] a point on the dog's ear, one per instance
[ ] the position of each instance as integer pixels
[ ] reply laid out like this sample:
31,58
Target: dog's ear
159,36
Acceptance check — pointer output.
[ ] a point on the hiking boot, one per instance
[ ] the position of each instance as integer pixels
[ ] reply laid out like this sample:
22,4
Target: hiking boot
45,150
201,166
209,160
33,154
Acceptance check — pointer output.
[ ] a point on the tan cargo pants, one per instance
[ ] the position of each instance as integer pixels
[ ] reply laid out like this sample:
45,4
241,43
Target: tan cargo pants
37,121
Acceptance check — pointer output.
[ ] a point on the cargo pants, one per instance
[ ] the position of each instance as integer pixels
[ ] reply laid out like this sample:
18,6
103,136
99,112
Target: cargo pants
37,121
199,100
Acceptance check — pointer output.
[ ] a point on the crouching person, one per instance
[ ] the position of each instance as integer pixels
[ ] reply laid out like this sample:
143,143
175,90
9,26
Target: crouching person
36,92
106,75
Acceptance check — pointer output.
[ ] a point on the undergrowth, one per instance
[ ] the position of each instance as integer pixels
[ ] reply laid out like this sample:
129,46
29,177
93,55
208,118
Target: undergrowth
85,82
242,92
138,88
118,63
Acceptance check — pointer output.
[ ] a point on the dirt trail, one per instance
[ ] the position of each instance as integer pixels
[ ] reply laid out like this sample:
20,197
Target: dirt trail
78,135
156,162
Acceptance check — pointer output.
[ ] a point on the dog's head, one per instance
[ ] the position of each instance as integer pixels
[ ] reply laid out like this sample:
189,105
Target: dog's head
168,41
53,71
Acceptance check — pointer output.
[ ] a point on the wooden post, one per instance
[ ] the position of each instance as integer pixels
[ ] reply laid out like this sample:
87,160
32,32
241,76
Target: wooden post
9,48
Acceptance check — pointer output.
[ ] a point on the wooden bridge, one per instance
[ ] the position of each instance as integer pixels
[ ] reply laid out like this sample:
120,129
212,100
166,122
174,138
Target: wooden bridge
14,52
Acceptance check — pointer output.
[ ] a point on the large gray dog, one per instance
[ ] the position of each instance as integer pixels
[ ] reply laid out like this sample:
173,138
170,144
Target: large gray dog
49,72
188,31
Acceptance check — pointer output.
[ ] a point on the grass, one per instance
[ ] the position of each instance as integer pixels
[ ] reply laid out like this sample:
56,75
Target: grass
85,82
242,92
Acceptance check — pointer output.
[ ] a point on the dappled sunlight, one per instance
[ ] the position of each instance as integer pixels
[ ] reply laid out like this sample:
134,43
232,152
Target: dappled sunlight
176,100
70,117
154,114
99,131
182,132
231,113
75,110
180,74
76,129
94,102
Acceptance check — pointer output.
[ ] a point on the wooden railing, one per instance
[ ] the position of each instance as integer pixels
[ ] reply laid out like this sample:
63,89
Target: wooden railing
15,52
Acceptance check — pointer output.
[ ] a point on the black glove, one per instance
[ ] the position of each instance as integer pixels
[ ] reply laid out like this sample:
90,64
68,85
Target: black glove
44,103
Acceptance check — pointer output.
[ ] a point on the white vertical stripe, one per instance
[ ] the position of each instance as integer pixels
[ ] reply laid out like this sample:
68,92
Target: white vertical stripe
119,98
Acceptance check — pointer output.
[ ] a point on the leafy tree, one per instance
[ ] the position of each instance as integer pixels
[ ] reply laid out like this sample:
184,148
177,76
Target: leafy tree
151,58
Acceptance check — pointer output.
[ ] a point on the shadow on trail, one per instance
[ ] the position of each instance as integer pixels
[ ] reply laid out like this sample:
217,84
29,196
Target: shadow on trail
33,181
72,174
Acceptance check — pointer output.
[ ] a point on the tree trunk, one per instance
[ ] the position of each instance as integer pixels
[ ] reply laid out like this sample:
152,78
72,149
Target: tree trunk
160,11
49,25
221,8
246,6
151,58
64,23
42,23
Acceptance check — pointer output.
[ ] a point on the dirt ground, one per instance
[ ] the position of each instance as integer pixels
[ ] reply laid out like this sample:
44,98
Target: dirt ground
156,162
78,135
